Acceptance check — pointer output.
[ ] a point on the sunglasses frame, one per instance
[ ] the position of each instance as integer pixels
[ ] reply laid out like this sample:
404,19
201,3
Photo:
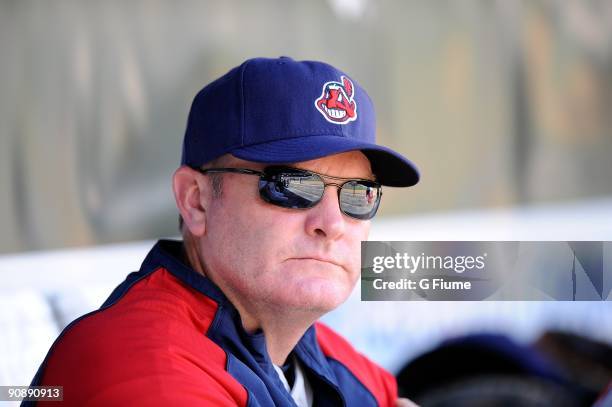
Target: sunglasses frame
274,170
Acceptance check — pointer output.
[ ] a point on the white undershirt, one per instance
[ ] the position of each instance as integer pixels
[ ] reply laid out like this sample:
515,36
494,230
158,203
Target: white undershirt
301,391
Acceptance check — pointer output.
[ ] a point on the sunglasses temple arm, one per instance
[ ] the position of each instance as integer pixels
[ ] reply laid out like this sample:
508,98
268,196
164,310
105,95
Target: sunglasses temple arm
232,170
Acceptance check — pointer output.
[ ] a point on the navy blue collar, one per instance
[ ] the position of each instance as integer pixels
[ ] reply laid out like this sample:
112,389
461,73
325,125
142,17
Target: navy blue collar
227,329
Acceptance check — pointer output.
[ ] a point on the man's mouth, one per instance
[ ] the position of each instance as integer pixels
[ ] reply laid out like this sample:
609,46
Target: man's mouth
317,258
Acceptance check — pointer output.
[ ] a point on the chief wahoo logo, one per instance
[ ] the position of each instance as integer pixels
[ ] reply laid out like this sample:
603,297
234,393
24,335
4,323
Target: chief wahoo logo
336,103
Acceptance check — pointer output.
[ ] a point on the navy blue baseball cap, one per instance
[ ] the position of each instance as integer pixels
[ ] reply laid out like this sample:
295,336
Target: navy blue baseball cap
281,111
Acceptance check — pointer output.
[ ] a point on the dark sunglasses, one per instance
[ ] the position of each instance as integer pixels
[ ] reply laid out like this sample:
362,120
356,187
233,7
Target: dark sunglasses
290,187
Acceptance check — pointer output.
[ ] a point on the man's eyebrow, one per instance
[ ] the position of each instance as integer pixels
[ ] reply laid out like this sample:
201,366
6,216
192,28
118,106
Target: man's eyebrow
373,176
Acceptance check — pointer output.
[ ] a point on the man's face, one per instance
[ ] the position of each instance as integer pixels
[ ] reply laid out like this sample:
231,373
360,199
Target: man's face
306,259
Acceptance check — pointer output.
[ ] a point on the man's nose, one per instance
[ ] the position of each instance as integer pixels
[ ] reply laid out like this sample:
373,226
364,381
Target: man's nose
325,219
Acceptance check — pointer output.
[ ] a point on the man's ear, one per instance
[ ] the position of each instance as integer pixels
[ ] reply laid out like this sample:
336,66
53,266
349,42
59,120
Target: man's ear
192,193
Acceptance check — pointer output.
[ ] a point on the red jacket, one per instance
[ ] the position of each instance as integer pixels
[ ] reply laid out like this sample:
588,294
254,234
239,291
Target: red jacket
168,336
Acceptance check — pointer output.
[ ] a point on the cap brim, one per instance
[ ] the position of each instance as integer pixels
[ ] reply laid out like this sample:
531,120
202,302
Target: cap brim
390,168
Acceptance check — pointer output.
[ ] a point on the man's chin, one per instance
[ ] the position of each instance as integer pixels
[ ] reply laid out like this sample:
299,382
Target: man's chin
315,296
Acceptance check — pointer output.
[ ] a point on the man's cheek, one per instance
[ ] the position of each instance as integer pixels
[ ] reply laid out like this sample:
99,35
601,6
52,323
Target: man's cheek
355,245
354,255
353,264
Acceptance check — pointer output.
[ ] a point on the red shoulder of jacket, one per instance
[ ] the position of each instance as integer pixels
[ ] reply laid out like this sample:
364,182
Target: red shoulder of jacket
377,380
150,347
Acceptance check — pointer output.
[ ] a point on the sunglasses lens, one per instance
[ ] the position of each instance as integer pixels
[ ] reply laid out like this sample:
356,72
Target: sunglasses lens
360,199
294,189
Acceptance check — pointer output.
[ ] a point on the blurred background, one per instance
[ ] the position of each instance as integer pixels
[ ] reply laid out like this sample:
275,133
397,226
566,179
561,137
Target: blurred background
505,106
499,103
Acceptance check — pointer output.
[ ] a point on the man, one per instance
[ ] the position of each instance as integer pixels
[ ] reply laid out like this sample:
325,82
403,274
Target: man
280,176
